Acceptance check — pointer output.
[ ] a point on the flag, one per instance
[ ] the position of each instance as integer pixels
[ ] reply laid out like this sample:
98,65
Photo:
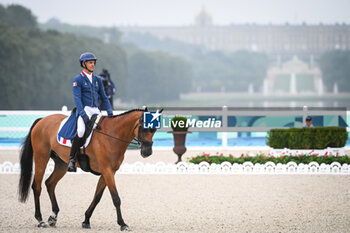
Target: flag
62,140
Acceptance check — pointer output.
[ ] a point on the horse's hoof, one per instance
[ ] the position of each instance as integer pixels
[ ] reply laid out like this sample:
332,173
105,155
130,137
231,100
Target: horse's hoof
125,228
52,221
86,225
42,224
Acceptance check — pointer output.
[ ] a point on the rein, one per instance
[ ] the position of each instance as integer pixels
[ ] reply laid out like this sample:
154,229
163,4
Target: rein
98,130
138,139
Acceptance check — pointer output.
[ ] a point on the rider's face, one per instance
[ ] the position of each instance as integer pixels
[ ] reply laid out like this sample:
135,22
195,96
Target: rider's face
308,123
90,65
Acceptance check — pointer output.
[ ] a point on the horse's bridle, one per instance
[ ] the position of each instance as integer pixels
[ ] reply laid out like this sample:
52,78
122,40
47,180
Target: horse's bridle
139,139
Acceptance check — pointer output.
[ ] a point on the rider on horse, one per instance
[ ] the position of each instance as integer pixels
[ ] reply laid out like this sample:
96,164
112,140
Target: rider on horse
87,88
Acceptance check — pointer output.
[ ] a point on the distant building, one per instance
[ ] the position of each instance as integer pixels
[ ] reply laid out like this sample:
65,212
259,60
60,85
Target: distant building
293,77
275,40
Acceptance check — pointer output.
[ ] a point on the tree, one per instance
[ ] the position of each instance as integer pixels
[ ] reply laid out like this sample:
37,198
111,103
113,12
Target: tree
231,71
157,76
212,71
18,16
37,67
335,66
107,34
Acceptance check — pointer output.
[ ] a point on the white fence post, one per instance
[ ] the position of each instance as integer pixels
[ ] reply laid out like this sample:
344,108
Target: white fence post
224,124
64,110
305,114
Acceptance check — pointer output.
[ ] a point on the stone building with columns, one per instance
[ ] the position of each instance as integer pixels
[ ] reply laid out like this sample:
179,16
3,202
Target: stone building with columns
290,44
275,40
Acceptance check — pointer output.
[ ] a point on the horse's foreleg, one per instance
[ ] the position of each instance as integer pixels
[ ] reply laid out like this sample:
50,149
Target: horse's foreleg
98,194
51,182
110,182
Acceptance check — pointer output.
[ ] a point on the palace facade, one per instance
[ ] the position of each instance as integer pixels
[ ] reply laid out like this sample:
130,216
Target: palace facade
275,40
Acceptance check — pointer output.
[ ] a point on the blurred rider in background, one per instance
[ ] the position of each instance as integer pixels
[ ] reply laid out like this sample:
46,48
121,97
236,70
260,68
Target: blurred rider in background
109,87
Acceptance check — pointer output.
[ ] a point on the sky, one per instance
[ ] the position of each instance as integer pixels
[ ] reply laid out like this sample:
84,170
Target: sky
183,12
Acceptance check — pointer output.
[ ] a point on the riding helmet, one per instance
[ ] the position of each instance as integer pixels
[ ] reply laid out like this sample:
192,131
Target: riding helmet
87,57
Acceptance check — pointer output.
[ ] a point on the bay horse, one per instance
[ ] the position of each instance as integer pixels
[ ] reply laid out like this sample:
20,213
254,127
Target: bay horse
105,154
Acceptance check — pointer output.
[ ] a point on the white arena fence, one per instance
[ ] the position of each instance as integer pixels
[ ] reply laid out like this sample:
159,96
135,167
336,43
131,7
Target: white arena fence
14,123
204,168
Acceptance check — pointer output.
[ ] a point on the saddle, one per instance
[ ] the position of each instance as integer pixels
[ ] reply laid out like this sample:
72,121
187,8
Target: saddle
83,159
89,127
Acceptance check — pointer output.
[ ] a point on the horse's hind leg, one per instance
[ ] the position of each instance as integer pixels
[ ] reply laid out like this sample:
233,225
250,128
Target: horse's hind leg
51,182
101,185
41,159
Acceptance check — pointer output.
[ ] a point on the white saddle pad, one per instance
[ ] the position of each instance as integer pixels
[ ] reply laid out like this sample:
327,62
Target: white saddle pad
68,142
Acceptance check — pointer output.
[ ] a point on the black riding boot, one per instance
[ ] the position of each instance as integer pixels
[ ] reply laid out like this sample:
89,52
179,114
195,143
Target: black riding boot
75,148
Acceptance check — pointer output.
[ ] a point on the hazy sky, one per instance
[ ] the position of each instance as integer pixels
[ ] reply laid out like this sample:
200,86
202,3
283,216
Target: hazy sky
183,12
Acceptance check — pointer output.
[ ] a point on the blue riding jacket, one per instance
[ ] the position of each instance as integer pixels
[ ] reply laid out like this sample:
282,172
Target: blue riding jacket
86,93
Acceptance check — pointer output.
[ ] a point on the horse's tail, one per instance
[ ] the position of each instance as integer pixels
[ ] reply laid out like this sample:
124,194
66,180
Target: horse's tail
26,161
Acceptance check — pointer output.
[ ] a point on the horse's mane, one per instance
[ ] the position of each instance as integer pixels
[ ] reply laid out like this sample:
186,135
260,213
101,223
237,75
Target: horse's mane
127,112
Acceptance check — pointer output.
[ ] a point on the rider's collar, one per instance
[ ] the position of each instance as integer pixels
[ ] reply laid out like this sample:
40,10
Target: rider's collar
89,76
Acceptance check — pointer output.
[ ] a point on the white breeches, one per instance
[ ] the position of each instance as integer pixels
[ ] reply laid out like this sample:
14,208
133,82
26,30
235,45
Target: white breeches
81,125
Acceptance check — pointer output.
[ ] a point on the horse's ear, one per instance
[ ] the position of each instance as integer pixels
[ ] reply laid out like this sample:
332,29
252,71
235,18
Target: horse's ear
146,109
161,110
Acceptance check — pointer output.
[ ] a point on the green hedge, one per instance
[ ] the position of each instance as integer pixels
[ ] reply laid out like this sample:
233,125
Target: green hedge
307,138
179,123
262,159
